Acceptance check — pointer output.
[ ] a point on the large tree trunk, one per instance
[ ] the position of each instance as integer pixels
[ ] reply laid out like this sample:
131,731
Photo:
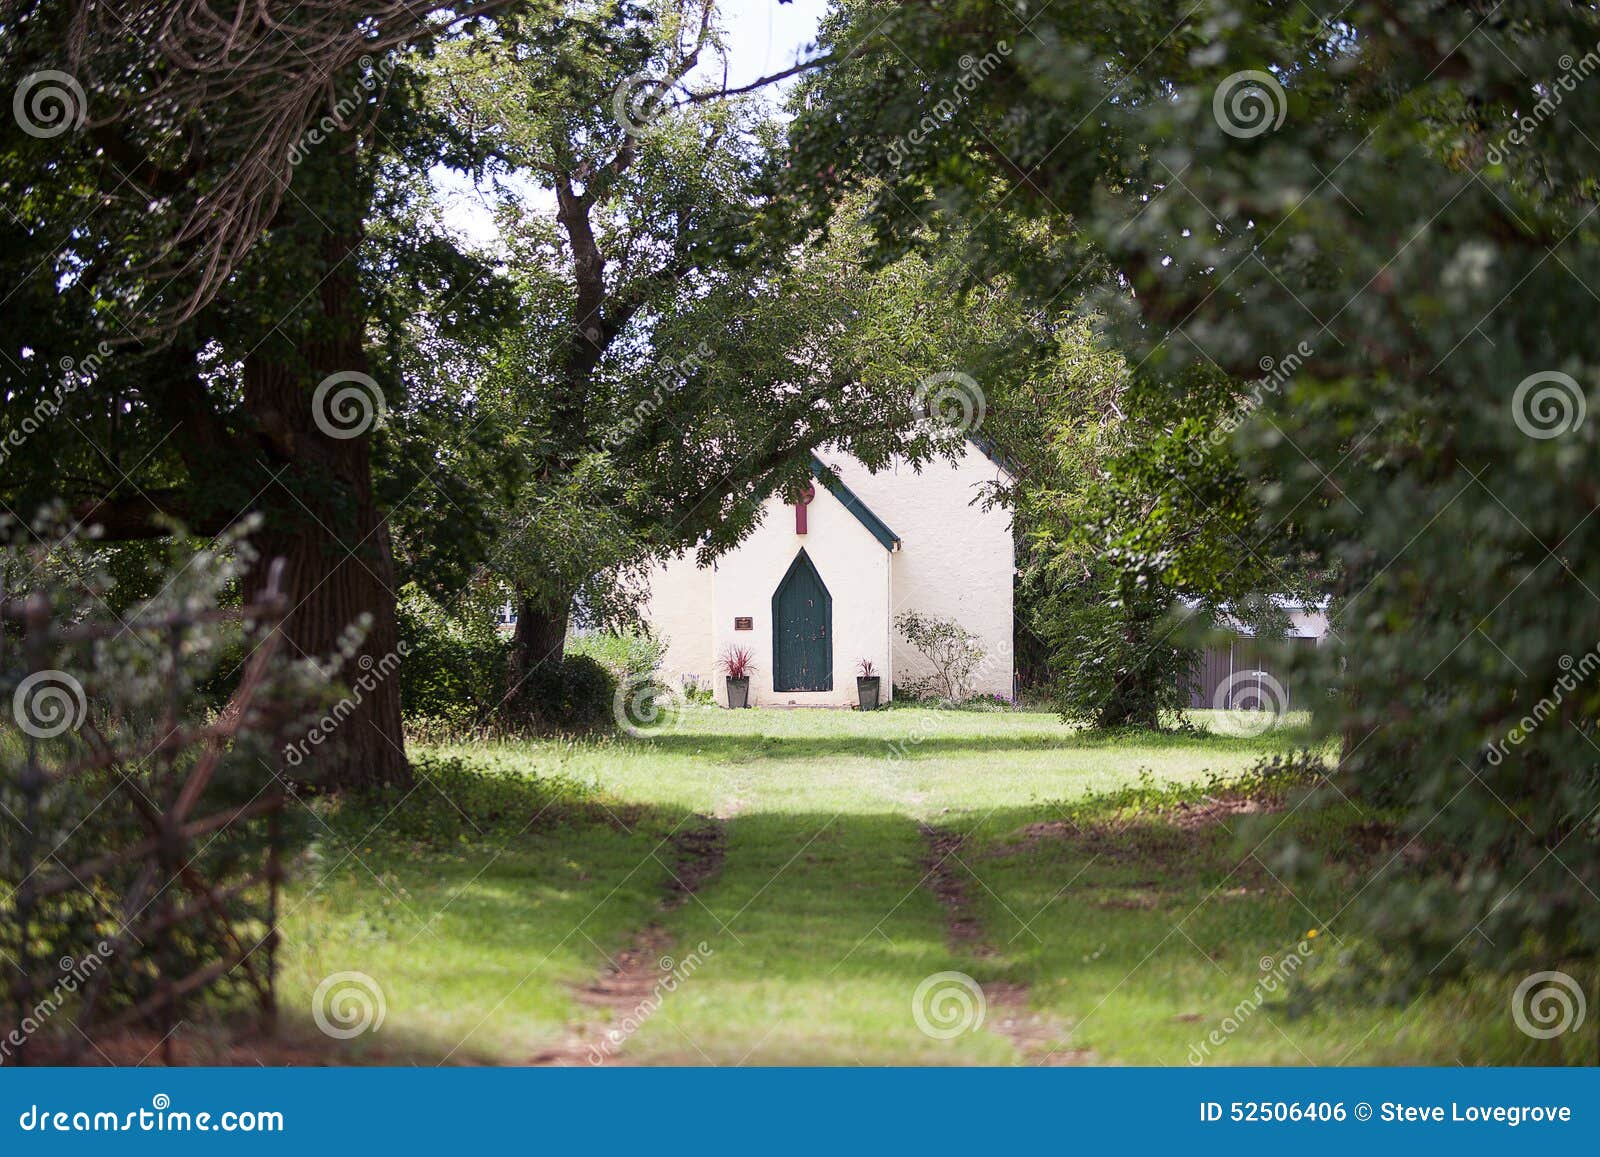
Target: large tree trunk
322,516
541,635
340,572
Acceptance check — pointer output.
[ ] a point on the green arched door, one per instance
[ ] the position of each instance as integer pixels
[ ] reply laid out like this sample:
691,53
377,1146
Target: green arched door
802,630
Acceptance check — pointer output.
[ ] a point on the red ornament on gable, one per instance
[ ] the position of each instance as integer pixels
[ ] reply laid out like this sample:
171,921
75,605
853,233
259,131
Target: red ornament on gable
806,496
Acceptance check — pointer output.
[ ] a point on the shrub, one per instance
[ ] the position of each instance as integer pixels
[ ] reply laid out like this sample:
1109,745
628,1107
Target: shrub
1119,663
113,717
628,655
951,649
454,678
696,693
576,695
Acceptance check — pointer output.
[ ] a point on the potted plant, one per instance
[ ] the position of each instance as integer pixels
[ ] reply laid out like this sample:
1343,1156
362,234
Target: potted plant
866,685
737,663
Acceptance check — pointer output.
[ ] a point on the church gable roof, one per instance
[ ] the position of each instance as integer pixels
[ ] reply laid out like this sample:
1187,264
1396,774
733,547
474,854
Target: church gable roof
851,502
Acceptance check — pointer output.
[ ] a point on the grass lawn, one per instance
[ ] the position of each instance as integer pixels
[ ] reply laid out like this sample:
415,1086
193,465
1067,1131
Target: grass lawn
1104,927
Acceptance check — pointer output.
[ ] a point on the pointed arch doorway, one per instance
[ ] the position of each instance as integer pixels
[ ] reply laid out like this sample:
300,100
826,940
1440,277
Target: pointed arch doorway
802,630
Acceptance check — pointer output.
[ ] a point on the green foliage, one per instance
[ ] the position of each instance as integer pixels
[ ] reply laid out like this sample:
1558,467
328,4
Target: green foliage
457,679
1134,505
573,696
650,314
1119,660
1273,782
1412,204
454,677
111,719
952,651
628,655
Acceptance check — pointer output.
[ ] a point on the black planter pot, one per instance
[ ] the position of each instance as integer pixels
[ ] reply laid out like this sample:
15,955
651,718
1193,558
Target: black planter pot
739,691
867,693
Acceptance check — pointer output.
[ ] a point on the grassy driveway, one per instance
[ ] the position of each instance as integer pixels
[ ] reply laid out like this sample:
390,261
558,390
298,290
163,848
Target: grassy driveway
878,873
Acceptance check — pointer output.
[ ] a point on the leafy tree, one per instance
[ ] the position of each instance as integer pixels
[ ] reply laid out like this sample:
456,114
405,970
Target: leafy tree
656,318
1406,190
189,207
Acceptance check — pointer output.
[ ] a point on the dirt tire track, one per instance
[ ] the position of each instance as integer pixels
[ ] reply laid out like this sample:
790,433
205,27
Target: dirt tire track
631,980
1010,1010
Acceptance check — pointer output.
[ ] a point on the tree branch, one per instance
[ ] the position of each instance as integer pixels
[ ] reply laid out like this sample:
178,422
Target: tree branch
724,92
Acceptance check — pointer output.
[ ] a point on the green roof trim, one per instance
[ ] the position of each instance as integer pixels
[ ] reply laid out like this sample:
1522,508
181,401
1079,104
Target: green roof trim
863,512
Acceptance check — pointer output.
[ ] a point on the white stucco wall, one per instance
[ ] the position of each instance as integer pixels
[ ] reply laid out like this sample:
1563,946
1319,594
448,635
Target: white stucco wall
956,558
679,611
854,566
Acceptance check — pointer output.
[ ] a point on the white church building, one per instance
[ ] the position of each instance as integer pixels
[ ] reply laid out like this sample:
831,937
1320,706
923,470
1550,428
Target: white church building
816,587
